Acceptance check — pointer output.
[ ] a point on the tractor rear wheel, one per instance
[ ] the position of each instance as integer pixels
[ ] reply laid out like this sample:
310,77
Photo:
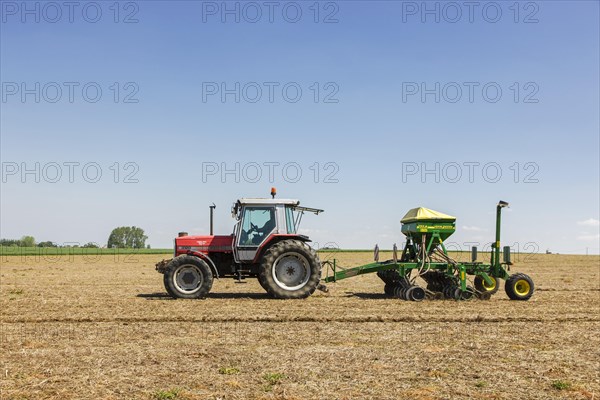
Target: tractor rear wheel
519,287
482,286
290,269
188,277
261,283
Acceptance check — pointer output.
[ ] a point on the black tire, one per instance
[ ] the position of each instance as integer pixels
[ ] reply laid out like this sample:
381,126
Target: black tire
481,286
290,269
261,283
167,287
519,287
448,291
188,277
484,296
417,293
437,296
467,294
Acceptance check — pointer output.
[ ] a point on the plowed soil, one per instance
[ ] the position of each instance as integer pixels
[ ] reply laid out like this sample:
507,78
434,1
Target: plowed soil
103,328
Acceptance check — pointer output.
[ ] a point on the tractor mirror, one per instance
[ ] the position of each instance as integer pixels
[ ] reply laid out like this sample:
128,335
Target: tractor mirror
473,253
506,255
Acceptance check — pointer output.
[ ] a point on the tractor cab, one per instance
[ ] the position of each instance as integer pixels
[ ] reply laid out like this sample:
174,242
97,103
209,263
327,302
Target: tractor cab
259,221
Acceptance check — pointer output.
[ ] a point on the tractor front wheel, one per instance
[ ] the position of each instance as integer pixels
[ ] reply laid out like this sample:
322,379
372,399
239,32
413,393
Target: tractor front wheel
290,269
519,287
188,277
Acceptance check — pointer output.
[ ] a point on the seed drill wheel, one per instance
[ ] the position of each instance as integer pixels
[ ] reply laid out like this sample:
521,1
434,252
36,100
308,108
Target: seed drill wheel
188,277
467,294
457,295
290,269
519,287
484,295
450,291
437,295
482,286
417,293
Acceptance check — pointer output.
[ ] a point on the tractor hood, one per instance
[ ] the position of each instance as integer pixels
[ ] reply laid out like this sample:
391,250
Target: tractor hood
204,244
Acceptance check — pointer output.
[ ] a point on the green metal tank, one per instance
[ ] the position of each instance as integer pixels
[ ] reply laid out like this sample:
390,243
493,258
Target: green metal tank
421,220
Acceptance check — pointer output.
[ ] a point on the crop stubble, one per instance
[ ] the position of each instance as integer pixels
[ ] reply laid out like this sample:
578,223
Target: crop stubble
103,328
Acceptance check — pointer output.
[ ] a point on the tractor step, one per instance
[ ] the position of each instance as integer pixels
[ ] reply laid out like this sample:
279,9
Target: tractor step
240,275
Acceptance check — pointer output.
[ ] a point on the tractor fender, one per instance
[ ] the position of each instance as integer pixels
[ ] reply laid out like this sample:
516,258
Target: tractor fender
206,258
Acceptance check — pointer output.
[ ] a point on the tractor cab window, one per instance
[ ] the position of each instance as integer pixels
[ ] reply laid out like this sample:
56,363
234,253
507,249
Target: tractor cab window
289,217
257,224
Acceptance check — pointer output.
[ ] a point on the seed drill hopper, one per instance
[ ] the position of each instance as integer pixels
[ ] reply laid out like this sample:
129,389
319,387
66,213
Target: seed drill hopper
426,256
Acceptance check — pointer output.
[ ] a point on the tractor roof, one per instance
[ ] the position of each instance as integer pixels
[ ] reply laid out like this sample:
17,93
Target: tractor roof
257,201
295,204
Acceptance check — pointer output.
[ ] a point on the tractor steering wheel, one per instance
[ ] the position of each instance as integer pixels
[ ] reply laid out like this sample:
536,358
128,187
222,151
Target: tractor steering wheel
253,228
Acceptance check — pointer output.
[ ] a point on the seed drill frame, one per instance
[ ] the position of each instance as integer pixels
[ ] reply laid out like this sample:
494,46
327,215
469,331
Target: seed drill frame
426,254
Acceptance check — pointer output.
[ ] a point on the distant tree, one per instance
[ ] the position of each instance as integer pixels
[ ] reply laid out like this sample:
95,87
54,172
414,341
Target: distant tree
9,242
148,246
127,237
47,244
27,241
90,245
117,238
138,238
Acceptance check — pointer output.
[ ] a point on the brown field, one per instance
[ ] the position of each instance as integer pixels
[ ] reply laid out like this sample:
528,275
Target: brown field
104,329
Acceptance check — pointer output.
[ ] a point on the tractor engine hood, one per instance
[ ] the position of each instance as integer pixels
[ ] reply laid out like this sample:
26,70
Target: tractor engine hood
204,244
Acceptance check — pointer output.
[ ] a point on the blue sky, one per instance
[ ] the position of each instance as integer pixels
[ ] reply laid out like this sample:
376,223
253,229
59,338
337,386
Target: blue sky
366,122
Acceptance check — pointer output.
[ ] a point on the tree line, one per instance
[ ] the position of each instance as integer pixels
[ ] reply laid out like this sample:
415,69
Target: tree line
123,237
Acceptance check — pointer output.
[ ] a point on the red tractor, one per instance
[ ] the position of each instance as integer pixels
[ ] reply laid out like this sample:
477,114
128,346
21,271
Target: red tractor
265,244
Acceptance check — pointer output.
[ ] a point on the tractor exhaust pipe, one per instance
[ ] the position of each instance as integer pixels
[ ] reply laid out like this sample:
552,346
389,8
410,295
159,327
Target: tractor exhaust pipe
212,210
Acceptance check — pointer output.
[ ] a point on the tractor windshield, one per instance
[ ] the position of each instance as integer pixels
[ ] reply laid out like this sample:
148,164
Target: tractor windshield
257,224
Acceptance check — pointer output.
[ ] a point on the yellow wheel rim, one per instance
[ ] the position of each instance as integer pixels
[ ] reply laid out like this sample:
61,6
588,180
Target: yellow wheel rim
522,287
492,286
